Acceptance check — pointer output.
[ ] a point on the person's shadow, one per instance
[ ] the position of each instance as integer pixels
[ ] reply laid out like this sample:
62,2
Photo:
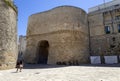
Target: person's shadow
14,72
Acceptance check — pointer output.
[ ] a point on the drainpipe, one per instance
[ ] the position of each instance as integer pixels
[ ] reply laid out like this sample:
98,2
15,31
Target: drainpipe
102,55
89,38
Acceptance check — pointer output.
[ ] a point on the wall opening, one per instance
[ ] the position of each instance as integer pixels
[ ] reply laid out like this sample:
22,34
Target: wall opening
107,29
42,52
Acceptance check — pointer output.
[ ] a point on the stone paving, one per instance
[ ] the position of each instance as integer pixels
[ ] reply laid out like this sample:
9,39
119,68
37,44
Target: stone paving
63,73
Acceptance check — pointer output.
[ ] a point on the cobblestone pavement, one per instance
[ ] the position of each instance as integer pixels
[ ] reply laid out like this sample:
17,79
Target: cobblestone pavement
63,73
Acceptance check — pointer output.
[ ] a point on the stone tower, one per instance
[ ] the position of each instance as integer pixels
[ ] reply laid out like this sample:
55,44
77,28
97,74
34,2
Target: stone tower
8,34
58,36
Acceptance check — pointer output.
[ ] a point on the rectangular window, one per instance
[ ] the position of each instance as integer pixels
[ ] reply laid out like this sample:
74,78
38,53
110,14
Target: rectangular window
107,29
117,17
119,28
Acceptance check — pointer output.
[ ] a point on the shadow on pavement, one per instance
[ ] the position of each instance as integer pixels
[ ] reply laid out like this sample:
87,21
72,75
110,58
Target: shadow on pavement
39,66
100,65
14,72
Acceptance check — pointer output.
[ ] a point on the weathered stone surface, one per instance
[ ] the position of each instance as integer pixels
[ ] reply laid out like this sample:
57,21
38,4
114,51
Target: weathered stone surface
65,28
8,36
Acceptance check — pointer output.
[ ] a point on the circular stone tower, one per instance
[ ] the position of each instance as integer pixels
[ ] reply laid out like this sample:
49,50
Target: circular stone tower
8,34
58,36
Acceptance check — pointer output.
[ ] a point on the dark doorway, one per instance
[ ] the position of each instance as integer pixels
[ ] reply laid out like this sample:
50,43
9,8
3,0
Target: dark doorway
43,48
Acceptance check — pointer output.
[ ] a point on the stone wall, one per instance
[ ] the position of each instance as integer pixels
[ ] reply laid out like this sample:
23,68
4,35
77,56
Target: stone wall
65,29
96,24
8,36
60,18
105,45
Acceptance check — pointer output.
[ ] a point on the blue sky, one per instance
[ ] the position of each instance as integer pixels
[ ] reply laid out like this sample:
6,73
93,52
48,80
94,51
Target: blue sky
28,7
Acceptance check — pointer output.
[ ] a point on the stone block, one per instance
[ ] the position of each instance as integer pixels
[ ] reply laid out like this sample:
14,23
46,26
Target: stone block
111,59
95,60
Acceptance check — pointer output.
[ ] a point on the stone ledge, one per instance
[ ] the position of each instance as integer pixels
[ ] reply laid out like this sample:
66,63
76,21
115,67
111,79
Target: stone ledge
59,31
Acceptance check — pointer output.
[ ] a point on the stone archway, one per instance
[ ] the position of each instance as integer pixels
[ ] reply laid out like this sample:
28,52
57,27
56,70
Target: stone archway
42,52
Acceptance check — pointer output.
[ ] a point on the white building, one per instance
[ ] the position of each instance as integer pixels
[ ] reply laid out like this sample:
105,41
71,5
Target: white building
21,45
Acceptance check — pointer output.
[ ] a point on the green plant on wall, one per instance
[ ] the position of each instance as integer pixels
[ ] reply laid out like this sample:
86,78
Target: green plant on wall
9,3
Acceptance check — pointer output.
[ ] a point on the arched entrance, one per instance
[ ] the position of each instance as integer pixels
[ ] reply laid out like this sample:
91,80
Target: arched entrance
42,53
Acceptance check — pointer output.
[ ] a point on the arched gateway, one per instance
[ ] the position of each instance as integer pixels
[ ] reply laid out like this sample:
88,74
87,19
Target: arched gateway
42,52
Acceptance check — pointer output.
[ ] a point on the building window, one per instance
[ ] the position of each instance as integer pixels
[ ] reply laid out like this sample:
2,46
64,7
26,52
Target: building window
117,17
117,5
119,28
107,29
